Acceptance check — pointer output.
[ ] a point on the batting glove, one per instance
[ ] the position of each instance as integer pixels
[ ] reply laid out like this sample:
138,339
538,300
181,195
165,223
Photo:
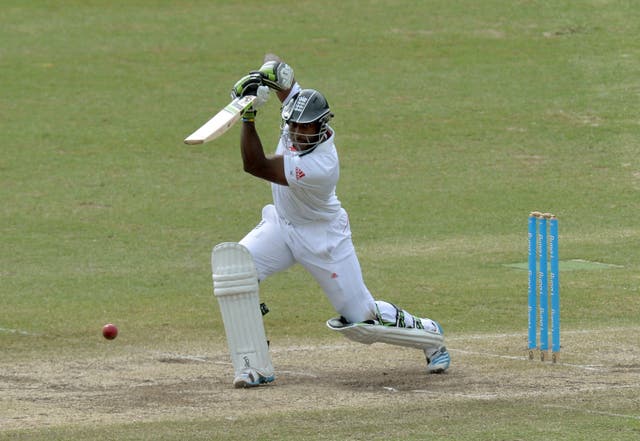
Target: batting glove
249,115
247,85
276,74
251,85
262,95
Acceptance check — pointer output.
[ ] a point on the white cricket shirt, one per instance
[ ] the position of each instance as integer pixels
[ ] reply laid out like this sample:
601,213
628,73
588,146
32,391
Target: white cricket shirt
312,177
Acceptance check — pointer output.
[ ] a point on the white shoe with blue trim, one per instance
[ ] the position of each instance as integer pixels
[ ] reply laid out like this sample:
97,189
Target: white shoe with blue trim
251,378
438,361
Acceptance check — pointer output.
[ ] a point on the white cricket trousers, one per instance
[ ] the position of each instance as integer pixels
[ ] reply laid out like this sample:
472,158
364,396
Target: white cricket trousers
324,249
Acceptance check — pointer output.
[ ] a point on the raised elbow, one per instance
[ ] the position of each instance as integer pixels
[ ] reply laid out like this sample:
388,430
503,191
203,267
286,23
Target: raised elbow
252,169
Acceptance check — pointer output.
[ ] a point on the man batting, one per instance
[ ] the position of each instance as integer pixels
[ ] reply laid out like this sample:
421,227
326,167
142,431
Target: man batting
305,224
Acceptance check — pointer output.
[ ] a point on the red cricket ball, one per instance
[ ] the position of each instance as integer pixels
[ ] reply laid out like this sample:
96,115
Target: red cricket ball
109,331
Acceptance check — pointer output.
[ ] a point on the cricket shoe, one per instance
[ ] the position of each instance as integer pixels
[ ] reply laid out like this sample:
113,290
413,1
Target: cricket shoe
438,361
251,378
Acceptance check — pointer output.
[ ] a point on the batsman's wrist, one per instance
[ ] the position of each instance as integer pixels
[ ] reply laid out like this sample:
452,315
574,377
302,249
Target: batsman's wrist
249,115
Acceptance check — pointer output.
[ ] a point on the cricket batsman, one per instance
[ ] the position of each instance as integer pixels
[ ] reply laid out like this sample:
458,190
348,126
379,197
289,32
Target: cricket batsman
305,224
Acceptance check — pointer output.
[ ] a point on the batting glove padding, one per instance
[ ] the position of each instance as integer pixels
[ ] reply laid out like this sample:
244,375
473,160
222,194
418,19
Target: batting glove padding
262,96
249,115
247,85
276,74
251,85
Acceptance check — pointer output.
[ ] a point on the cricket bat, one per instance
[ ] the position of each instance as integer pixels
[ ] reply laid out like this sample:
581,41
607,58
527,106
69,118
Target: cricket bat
221,121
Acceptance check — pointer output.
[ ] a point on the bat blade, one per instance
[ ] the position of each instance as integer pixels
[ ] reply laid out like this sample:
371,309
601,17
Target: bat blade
221,121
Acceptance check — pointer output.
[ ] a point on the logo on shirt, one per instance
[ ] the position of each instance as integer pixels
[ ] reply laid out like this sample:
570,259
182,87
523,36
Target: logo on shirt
299,173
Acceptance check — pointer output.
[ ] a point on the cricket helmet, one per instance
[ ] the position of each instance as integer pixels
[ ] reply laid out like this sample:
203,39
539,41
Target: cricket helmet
306,107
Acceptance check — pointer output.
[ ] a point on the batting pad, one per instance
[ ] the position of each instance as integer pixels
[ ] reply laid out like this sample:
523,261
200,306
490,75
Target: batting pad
235,285
373,333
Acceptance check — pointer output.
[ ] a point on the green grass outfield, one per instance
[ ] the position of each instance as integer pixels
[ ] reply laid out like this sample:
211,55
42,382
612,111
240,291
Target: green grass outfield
454,119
